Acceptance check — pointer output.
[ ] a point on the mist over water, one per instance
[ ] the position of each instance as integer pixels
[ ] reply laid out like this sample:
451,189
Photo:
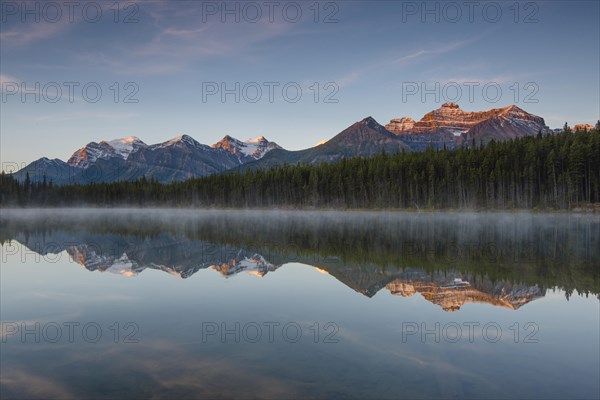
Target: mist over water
374,295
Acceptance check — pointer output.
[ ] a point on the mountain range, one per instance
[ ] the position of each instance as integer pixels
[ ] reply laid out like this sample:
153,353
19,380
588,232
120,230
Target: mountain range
451,127
130,158
183,157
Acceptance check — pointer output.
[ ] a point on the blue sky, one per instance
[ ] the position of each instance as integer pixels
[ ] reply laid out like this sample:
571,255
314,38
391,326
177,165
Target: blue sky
368,56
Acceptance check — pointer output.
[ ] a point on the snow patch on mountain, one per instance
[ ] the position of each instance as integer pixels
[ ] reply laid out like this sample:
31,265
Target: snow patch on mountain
93,151
254,148
256,140
180,140
123,147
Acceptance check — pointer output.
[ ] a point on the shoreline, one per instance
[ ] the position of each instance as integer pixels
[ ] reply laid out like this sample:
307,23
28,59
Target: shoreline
589,209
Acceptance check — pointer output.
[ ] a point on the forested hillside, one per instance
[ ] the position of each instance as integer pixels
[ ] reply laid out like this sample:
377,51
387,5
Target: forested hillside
559,171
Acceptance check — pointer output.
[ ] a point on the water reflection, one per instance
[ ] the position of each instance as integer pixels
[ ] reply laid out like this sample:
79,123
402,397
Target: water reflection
371,274
505,260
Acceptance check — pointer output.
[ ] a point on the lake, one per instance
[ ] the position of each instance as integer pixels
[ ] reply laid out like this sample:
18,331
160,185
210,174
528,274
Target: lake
276,304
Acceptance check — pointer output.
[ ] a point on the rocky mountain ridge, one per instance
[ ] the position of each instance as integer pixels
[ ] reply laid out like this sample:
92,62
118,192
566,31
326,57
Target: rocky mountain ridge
183,157
452,126
129,158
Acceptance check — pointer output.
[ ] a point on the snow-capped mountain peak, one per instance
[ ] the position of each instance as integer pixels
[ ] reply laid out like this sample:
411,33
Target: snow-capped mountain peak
181,140
257,140
123,142
93,151
250,149
125,146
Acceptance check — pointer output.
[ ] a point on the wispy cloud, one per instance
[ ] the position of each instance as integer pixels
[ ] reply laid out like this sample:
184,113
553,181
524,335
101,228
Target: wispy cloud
31,88
393,62
6,79
102,115
16,32
419,54
24,34
130,66
212,39
461,80
189,34
348,79
173,49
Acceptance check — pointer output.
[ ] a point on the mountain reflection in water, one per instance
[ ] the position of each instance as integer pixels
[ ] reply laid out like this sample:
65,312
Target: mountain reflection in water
505,260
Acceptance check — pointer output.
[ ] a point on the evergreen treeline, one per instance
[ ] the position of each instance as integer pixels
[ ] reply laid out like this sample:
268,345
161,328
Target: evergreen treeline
552,171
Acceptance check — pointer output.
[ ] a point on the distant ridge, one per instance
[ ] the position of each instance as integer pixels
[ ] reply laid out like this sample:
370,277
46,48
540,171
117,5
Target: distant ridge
183,157
177,159
451,126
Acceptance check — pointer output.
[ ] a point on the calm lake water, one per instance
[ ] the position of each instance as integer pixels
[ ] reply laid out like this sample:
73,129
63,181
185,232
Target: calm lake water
222,304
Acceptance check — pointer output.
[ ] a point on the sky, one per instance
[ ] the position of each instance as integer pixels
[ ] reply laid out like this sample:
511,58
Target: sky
294,72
